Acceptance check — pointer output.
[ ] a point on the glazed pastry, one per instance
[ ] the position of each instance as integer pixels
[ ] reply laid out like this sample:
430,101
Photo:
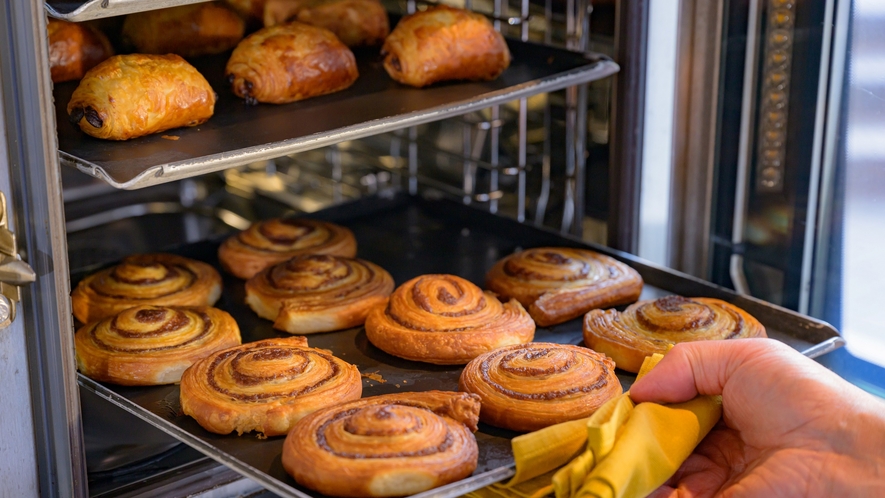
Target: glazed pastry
527,387
129,96
152,345
444,43
355,22
188,30
318,293
265,386
250,9
392,445
269,242
556,284
649,327
74,48
290,62
158,279
446,320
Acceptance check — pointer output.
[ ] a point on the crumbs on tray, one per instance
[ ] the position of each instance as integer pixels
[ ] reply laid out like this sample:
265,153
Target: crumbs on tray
170,137
374,376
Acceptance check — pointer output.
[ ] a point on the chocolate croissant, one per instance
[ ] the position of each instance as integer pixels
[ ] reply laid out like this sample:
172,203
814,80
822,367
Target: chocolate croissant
355,22
74,48
129,96
188,30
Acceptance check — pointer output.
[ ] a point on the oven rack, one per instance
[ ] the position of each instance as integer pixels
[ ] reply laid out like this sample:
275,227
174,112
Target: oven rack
87,10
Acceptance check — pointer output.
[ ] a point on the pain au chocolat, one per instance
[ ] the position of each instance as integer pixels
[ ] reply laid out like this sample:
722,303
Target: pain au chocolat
649,327
187,30
74,48
357,23
392,445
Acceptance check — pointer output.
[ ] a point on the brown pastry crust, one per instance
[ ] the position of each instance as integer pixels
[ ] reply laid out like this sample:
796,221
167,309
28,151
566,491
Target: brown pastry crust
290,62
556,284
273,241
265,386
356,23
318,293
444,43
527,387
391,445
157,279
649,327
188,30
446,320
152,345
129,96
249,9
74,49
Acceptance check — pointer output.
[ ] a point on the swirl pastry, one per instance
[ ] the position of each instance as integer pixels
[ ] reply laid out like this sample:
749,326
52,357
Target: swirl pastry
152,345
265,386
74,48
649,327
556,284
269,242
158,279
527,387
446,320
187,30
391,445
355,22
318,293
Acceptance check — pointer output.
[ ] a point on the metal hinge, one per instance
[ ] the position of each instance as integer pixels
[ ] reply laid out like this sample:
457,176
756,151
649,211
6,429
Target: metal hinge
14,272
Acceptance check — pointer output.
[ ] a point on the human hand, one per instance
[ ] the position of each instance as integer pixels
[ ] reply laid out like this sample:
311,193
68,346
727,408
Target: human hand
790,427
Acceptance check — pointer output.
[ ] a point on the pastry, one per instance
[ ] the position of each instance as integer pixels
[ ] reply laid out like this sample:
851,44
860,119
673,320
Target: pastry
252,10
152,345
446,320
158,279
356,23
649,327
289,62
556,284
444,43
318,293
392,445
269,242
129,96
74,48
188,30
265,386
527,387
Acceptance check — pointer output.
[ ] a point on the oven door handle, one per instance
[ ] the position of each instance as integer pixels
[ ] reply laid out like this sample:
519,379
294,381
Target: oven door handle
14,273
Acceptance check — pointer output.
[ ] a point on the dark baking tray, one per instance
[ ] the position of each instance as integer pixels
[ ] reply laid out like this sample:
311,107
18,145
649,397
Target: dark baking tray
238,134
410,236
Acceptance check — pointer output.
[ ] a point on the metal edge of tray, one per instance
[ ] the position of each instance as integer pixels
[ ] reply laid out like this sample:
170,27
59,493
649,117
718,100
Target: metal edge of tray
97,9
163,173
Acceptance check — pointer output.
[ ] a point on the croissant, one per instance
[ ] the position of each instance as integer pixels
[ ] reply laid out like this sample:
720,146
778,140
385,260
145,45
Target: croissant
188,30
129,96
74,49
355,22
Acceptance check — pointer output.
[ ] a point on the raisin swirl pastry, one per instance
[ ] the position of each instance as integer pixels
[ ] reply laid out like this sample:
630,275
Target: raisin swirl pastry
318,293
446,320
269,242
649,327
158,279
556,284
152,345
527,387
391,445
265,386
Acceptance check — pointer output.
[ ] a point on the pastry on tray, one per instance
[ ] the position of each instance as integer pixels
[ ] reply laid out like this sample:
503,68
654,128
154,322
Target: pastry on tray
649,327
129,96
556,284
187,30
265,386
152,345
392,445
74,48
157,279
446,320
444,43
357,23
273,241
290,62
527,387
318,293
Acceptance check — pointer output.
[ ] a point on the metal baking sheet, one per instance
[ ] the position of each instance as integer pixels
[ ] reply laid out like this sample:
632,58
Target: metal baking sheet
72,10
238,134
410,236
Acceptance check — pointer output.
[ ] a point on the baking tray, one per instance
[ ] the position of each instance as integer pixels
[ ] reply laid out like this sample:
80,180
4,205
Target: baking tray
410,236
239,134
72,10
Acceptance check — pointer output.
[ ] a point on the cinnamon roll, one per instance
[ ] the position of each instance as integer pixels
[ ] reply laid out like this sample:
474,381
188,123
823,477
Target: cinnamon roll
152,345
269,242
158,279
446,320
531,386
556,284
265,386
391,445
318,293
649,327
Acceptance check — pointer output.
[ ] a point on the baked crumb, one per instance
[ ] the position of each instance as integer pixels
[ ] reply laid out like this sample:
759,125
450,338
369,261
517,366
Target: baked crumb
170,137
374,376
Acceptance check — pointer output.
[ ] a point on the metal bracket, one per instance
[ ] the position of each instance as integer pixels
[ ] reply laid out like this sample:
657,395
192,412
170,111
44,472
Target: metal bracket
14,272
